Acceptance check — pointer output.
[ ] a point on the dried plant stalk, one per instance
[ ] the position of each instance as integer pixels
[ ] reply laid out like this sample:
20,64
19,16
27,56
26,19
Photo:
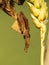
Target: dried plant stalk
39,14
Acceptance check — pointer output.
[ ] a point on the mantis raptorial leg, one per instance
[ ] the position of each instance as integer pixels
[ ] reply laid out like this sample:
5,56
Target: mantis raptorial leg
21,25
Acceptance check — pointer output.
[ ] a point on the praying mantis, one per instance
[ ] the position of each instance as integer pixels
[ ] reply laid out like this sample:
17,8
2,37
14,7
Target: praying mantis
21,25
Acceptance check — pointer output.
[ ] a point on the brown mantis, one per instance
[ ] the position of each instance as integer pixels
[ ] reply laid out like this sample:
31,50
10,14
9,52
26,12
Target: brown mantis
21,25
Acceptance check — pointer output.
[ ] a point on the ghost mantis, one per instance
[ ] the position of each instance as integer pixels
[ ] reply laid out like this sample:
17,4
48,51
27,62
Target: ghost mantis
21,25
39,14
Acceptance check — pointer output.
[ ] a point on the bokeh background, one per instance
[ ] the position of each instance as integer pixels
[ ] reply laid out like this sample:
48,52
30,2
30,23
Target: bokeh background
12,43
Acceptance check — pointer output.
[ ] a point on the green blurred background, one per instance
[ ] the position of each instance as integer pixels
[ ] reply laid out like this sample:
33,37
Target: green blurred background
12,43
